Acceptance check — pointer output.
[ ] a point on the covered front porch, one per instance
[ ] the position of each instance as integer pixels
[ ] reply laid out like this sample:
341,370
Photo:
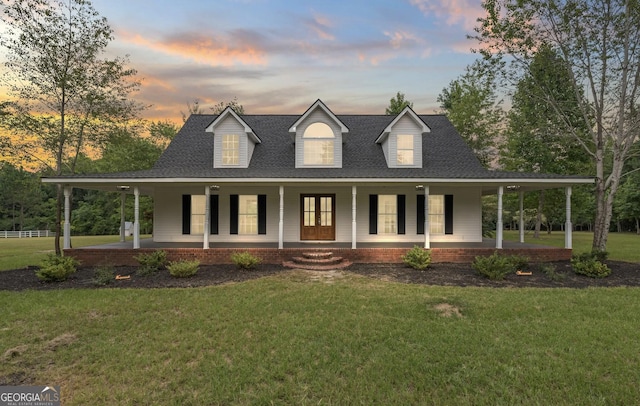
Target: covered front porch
124,253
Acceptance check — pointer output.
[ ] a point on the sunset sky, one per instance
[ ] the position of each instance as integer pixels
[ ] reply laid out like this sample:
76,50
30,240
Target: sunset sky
278,56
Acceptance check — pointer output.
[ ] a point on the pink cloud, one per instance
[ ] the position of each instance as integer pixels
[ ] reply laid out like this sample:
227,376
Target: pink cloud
213,50
320,25
464,12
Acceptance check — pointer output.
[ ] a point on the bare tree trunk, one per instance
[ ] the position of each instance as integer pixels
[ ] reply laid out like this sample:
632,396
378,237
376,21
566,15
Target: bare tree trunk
536,233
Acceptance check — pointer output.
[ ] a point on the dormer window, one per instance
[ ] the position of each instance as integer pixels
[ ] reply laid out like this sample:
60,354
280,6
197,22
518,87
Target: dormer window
319,142
405,149
230,149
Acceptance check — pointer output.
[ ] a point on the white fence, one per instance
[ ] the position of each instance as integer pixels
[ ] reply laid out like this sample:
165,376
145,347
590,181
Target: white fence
27,234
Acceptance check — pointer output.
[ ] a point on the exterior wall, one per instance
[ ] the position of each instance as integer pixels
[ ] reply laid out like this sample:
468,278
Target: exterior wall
315,116
404,126
230,126
125,257
467,215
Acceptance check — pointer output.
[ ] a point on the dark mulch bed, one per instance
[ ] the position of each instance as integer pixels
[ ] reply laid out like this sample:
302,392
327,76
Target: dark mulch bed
623,274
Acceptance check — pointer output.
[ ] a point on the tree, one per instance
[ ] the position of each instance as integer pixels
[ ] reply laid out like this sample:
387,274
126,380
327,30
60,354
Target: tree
237,107
162,132
471,103
192,108
397,104
598,41
534,141
65,95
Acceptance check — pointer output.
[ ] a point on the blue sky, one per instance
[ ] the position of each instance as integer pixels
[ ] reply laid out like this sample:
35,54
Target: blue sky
280,56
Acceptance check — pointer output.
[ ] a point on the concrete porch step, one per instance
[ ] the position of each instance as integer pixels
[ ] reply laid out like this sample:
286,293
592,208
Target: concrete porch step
317,261
312,267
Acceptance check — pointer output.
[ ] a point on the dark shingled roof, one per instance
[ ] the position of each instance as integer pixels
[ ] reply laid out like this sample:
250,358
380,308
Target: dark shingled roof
445,153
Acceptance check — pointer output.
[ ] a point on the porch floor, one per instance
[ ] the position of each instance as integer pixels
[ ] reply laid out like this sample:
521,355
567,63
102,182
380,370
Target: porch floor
487,243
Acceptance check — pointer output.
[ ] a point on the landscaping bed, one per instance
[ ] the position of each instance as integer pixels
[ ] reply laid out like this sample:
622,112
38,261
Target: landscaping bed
442,274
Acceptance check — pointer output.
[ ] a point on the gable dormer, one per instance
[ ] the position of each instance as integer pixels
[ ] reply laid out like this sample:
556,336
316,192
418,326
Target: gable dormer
318,135
233,140
402,140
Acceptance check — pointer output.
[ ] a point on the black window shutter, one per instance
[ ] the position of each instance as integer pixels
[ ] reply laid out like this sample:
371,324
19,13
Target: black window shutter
233,214
420,215
186,214
400,207
262,214
373,214
213,213
448,214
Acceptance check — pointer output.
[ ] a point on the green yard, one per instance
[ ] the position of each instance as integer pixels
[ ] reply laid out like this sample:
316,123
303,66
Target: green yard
291,340
16,253
621,246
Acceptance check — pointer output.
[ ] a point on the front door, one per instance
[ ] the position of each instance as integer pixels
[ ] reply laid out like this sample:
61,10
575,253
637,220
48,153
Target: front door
317,220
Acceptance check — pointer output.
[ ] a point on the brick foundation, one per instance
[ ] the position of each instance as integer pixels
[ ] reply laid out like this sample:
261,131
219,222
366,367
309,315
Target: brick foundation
117,257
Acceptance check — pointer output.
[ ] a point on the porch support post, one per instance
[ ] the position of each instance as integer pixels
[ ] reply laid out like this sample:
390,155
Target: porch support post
123,200
354,228
281,221
427,233
207,211
136,218
568,227
67,218
521,220
499,222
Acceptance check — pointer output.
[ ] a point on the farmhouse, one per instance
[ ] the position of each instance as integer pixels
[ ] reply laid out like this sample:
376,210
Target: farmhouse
371,186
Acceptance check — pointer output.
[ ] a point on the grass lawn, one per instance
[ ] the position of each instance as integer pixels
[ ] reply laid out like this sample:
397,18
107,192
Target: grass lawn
288,339
621,246
16,253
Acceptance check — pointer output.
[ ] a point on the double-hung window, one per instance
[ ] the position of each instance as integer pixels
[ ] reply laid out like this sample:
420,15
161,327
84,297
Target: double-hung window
230,149
387,214
404,149
197,214
436,214
248,214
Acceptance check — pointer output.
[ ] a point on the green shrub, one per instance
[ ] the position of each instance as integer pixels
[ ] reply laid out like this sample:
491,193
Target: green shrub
56,268
184,268
551,273
587,264
152,262
600,255
417,258
103,276
497,266
245,260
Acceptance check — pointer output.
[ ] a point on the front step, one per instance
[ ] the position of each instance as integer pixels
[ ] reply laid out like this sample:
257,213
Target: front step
317,261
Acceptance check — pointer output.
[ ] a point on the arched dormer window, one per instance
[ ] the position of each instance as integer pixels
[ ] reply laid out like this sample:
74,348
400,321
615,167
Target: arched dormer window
318,141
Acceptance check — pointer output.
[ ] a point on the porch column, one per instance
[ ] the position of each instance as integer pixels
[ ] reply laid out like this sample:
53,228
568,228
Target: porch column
207,211
499,222
521,220
123,199
427,233
136,218
568,227
67,218
354,228
281,221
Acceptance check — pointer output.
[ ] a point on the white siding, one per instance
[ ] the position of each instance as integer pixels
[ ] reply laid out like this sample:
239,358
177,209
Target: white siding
467,213
319,115
404,126
230,126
